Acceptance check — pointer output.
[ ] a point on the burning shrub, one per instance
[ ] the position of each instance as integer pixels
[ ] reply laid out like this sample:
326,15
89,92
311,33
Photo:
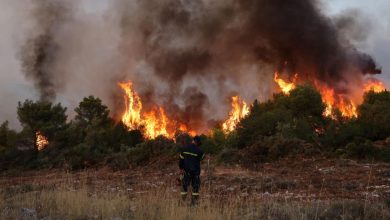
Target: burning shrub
42,117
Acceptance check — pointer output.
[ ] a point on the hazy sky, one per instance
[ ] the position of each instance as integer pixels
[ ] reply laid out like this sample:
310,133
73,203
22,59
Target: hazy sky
15,24
378,17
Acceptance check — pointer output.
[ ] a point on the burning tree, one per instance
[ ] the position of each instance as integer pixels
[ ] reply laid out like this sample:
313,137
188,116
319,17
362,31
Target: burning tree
42,120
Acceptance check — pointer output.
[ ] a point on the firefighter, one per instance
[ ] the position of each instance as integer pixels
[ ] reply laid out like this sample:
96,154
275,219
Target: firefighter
189,163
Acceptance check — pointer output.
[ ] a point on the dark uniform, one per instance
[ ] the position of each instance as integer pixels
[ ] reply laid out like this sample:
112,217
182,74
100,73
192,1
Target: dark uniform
190,157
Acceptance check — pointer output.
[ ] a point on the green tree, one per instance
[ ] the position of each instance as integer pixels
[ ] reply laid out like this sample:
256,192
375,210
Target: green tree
297,115
99,131
374,115
41,116
91,110
305,101
94,123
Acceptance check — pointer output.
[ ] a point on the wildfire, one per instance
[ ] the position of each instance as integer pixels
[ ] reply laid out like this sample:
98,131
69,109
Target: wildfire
343,103
285,86
239,110
132,116
41,141
374,85
154,122
331,99
335,101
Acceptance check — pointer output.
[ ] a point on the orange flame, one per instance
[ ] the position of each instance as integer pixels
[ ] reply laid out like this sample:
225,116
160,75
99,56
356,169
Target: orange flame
132,115
154,122
285,86
239,110
184,128
332,100
374,85
41,141
335,101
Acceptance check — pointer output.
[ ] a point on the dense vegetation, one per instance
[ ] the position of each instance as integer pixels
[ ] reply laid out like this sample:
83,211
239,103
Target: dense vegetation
284,125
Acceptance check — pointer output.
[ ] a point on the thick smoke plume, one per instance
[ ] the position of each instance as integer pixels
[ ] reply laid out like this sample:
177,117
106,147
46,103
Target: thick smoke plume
191,56
180,40
39,53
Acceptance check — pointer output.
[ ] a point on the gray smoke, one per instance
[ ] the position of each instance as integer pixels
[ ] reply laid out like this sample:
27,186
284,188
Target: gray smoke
40,52
178,40
189,56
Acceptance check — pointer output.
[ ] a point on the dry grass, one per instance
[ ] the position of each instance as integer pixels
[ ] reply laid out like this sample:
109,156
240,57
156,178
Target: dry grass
142,195
85,202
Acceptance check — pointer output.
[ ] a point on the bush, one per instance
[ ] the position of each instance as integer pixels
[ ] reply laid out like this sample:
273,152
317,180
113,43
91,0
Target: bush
214,143
138,155
360,149
118,161
229,156
272,148
366,149
79,156
297,115
374,115
151,148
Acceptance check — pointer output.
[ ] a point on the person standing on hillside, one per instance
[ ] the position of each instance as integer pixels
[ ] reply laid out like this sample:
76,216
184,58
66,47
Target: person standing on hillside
189,164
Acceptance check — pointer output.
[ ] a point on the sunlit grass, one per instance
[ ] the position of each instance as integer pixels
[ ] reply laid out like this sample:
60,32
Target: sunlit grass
65,201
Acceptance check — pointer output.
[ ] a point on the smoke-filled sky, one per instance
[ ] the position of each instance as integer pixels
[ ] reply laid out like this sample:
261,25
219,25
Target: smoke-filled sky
189,56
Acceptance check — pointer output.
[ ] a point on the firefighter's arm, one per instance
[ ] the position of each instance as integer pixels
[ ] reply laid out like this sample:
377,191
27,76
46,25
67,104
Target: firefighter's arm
181,161
202,156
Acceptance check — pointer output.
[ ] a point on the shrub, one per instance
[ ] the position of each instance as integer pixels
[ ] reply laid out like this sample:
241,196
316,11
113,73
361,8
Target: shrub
118,161
360,149
272,148
297,115
229,156
214,143
138,155
151,148
78,156
374,115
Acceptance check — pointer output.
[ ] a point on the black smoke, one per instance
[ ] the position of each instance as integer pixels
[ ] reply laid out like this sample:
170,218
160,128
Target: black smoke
198,39
40,52
190,56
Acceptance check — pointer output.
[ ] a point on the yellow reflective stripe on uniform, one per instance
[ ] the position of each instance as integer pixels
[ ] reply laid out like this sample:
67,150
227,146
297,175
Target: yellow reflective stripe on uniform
183,193
195,194
202,156
181,156
189,153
